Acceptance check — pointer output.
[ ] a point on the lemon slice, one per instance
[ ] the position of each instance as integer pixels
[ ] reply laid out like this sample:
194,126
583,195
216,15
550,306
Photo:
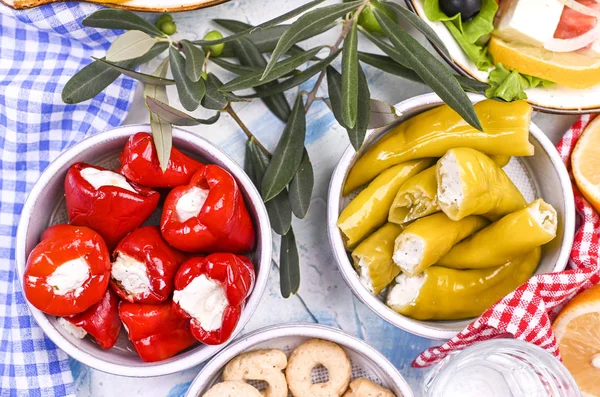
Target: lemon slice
567,68
577,329
586,163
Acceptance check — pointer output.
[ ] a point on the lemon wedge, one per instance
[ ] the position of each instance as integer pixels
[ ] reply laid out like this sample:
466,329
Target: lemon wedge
577,330
569,69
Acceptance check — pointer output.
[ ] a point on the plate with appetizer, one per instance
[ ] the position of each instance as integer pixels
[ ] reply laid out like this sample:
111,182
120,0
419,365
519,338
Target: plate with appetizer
134,5
139,272
433,221
544,51
299,360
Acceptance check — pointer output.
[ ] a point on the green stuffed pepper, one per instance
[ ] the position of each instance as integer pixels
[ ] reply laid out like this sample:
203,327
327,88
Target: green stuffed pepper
507,238
440,293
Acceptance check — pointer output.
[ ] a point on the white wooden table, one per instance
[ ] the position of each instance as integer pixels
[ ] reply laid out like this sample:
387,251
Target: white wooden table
323,296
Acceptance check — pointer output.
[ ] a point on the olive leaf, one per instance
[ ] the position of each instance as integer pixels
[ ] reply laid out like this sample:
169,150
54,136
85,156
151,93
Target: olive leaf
190,92
249,55
214,99
363,117
233,67
143,77
288,154
350,77
390,66
95,77
194,60
253,79
289,265
130,45
278,208
308,24
296,80
162,133
269,23
108,18
432,71
301,187
419,24
334,88
264,40
176,116
382,114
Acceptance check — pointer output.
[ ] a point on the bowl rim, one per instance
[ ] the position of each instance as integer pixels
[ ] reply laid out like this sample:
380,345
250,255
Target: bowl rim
427,329
310,330
460,69
263,229
197,6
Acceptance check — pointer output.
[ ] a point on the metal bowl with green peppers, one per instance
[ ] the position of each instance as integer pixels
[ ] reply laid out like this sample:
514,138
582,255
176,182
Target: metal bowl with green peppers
433,221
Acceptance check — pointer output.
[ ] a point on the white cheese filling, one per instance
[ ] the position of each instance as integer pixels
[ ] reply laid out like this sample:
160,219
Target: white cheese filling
98,178
545,217
450,189
190,204
408,252
69,277
365,276
406,290
131,274
72,329
205,300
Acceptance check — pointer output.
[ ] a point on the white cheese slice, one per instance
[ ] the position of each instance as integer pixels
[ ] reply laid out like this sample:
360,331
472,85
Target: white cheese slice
365,275
409,252
72,329
98,178
531,22
190,204
131,274
205,300
69,277
406,290
450,189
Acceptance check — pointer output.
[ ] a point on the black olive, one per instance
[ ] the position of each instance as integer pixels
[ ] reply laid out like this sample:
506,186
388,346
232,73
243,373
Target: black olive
467,8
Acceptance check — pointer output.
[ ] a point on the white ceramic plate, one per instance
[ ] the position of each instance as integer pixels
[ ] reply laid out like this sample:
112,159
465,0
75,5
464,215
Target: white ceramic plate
556,99
134,5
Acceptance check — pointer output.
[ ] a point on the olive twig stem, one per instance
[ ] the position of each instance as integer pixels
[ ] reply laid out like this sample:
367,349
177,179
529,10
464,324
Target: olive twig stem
229,110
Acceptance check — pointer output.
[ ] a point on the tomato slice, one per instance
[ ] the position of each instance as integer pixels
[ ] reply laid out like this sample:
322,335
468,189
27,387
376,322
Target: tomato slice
573,23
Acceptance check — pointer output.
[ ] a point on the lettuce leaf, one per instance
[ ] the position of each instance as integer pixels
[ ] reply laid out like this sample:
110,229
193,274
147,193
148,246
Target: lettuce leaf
511,85
471,36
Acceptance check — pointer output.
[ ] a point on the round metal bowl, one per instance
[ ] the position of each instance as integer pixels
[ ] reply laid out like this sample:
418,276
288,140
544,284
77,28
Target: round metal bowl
541,175
133,5
45,206
366,361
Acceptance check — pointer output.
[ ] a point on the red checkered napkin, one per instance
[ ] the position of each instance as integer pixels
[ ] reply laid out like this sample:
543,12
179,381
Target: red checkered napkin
527,313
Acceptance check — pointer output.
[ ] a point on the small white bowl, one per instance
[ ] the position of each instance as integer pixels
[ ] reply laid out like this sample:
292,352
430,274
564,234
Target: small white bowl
45,207
541,175
366,361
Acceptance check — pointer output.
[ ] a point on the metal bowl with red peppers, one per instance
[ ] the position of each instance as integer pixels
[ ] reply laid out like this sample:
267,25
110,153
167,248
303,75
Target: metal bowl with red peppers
45,206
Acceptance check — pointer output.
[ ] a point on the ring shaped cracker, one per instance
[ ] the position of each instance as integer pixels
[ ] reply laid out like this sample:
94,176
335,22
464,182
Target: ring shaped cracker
265,365
311,354
232,389
365,388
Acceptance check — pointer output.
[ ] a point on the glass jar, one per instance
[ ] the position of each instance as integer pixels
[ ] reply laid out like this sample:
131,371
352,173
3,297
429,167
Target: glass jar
501,368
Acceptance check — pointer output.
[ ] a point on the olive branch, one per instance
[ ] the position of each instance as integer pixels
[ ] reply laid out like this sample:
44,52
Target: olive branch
267,59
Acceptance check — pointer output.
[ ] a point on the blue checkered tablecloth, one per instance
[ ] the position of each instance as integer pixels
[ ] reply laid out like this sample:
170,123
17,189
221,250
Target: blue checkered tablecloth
40,50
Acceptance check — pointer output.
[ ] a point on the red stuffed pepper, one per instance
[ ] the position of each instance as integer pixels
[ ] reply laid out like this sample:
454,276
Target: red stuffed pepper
144,266
156,331
208,215
68,271
139,163
211,292
107,202
101,321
